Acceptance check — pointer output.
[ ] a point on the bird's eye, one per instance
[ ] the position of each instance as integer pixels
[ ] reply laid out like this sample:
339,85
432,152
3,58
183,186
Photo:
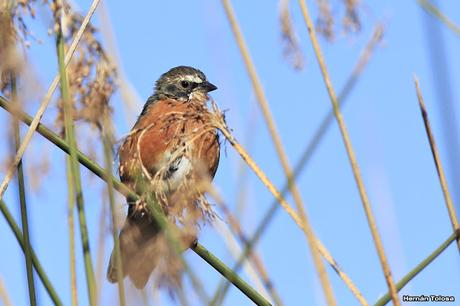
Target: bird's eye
185,84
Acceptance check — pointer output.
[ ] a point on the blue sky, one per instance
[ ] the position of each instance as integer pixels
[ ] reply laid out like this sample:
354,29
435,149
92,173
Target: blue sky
382,117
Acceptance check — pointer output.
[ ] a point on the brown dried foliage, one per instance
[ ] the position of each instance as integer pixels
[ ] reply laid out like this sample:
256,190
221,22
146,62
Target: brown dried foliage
14,36
350,21
291,50
325,21
91,73
12,29
325,24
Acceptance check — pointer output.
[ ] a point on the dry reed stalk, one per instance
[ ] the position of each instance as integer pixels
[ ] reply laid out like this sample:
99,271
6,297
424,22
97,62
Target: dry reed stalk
45,102
351,155
4,296
430,8
437,161
307,229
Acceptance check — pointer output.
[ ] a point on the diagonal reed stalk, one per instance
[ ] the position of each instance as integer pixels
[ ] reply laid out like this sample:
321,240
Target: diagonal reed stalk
304,160
306,226
422,265
430,8
351,154
38,267
437,161
106,135
230,275
71,222
74,167
41,110
23,204
127,192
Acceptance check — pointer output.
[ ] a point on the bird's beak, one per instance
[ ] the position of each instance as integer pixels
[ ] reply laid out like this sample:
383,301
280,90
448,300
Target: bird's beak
208,86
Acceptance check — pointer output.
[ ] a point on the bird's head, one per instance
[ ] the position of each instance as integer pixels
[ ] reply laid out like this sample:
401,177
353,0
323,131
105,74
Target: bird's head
183,83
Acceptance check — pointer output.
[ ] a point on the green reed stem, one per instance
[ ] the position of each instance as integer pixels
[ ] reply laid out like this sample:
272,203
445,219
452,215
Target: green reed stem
38,267
23,204
71,221
108,158
422,265
127,192
75,171
230,275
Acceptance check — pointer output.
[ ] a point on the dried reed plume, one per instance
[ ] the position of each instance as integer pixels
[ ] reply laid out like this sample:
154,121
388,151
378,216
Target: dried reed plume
291,51
92,75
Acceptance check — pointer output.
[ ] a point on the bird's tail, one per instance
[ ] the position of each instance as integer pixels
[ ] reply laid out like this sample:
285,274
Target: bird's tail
138,239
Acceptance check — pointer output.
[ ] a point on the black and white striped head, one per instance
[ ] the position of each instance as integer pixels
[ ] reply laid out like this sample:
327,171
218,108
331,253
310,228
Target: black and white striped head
183,83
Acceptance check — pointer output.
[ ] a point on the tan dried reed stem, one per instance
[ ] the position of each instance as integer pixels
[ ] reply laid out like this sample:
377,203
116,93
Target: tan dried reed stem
430,8
4,297
45,102
308,230
261,175
351,155
437,161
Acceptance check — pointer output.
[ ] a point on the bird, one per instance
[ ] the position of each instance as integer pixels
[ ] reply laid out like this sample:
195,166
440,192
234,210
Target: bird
171,153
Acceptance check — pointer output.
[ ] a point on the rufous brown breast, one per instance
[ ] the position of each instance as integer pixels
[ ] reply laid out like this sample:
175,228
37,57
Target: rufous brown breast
171,143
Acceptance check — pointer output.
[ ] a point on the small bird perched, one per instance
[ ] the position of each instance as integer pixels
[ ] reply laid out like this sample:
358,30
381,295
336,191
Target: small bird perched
171,152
